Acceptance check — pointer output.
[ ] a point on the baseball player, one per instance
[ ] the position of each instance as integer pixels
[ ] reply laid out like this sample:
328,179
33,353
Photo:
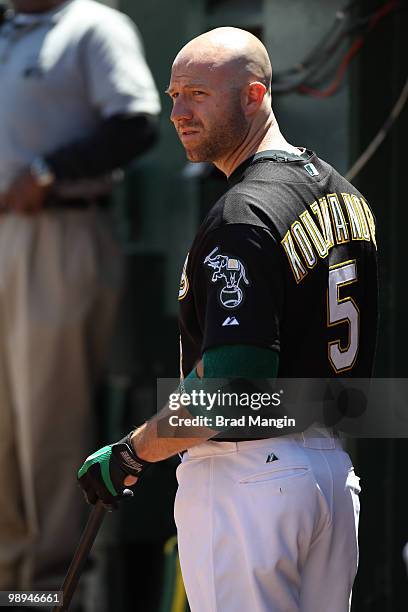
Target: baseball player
280,281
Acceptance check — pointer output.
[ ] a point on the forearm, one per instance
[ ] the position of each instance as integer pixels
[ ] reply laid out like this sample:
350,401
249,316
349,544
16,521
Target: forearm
155,440
113,144
106,472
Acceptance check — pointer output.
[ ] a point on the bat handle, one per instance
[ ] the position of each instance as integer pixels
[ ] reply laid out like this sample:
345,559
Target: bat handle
81,554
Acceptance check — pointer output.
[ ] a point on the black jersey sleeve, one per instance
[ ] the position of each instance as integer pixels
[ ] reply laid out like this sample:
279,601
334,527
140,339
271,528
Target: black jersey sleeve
239,285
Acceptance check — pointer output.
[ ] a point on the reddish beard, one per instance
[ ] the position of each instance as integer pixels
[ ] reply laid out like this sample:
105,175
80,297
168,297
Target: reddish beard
219,138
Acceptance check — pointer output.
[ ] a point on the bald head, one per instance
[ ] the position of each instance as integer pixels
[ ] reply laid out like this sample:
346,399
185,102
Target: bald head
220,87
237,53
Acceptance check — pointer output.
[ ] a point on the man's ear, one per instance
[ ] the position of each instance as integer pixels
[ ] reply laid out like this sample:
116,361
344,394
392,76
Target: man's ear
252,97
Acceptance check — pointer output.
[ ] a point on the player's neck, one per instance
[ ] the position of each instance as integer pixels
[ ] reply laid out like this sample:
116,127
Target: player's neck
259,138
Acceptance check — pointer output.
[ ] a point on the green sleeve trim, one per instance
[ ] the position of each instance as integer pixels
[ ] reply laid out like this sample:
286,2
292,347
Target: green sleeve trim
101,456
193,375
240,360
231,362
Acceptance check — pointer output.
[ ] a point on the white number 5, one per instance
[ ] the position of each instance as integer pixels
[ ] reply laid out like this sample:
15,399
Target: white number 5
343,310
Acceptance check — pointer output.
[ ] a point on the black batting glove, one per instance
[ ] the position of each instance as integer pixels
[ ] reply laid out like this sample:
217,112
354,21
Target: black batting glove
102,474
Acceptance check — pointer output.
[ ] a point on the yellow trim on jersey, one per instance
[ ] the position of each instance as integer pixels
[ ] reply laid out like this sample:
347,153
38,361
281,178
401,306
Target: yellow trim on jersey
354,217
339,223
303,243
184,284
300,271
315,235
370,220
326,221
339,321
363,220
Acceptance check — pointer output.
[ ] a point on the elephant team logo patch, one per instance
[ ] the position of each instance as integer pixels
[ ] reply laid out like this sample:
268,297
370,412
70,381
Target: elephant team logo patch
184,284
231,271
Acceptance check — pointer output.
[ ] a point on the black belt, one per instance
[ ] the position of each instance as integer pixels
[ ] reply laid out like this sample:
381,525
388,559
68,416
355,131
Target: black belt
237,439
181,453
78,203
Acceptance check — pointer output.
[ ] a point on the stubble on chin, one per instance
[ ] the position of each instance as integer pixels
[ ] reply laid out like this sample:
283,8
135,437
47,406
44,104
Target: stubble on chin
209,149
193,156
220,138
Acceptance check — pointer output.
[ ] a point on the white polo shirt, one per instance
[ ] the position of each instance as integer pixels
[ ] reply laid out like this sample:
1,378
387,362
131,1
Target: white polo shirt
63,71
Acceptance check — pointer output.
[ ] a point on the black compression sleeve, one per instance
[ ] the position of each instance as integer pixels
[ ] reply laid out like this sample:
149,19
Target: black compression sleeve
113,144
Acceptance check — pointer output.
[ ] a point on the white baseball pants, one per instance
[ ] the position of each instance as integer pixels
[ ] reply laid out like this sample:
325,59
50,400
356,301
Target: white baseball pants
268,525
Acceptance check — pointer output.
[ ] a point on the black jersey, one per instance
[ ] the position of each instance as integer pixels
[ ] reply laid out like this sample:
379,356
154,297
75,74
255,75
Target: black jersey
287,260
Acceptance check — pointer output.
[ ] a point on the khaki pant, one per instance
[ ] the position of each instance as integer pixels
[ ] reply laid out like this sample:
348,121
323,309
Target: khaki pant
60,274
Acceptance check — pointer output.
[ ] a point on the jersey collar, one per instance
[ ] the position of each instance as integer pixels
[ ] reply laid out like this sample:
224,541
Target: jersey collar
272,154
32,19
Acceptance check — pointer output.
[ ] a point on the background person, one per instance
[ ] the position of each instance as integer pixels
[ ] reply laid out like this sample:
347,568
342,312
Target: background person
77,101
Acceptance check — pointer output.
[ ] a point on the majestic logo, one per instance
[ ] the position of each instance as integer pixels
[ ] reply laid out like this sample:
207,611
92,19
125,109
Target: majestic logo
184,284
271,457
230,321
231,271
